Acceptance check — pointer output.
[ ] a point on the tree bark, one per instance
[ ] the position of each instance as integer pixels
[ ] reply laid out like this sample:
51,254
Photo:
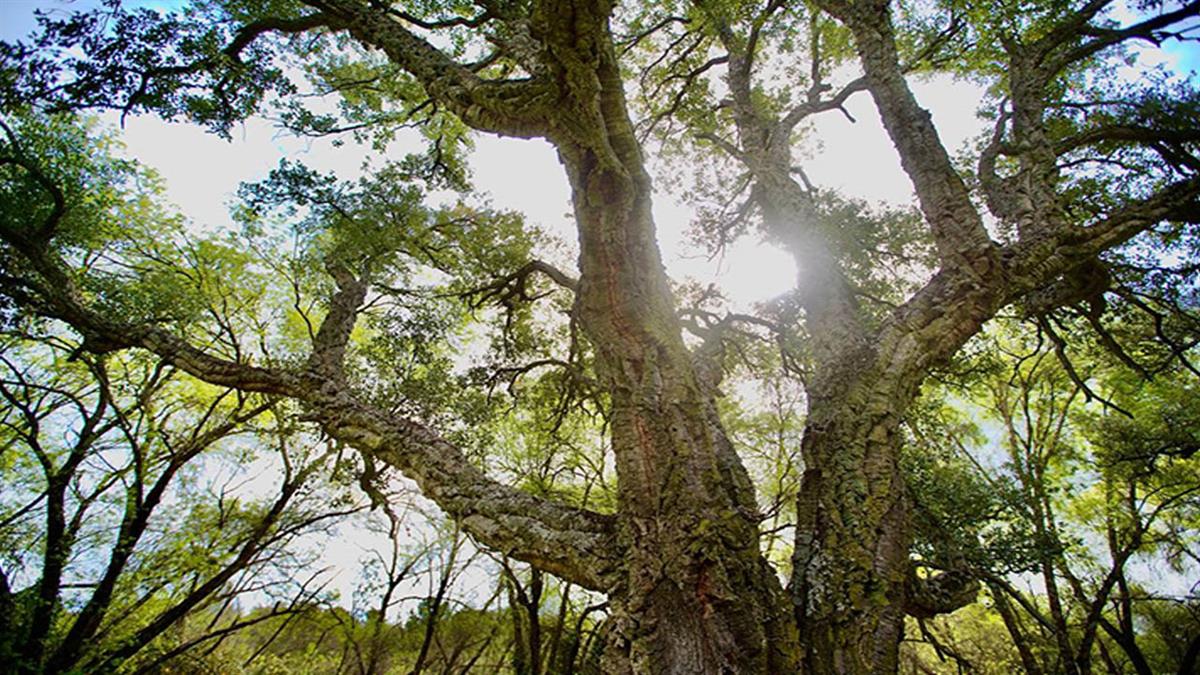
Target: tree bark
696,595
851,556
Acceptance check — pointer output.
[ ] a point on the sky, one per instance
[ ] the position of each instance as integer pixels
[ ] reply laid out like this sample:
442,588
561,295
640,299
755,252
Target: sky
202,171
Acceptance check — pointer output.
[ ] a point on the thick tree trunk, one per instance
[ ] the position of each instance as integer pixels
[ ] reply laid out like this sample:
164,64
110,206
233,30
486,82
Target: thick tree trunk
851,557
697,596
850,566
850,563
851,569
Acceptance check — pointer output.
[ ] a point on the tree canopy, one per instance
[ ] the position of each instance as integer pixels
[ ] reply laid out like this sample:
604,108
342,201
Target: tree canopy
575,416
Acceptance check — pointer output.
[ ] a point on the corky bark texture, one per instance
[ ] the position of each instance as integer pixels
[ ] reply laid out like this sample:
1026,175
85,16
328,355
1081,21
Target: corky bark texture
851,554
689,590
696,596
851,558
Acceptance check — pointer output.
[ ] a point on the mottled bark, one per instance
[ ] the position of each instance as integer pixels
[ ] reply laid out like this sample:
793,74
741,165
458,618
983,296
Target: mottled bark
940,593
513,107
851,571
696,595
850,561
955,224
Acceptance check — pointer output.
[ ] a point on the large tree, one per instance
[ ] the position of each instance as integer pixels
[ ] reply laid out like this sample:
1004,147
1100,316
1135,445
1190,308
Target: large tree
1079,163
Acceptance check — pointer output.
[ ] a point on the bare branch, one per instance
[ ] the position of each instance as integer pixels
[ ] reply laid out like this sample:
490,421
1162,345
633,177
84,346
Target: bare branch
1060,351
945,201
729,148
815,105
256,29
1175,201
458,21
628,42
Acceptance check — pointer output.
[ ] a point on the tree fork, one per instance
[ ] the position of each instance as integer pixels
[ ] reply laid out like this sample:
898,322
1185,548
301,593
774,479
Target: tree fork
696,596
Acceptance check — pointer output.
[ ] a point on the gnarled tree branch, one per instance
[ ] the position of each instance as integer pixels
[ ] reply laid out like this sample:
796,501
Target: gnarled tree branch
510,107
577,544
956,225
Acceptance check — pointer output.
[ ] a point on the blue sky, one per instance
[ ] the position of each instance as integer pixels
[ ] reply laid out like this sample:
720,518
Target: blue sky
1186,55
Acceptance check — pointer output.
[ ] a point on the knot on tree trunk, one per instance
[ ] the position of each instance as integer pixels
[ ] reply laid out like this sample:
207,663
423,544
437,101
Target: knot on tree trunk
941,593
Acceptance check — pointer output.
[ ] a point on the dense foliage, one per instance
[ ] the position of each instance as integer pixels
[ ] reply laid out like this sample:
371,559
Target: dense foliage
965,441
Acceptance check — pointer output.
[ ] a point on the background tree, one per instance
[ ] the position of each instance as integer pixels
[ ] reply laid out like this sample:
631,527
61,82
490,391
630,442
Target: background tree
116,533
1086,508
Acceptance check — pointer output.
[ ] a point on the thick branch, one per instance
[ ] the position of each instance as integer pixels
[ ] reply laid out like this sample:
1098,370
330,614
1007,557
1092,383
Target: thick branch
573,543
957,227
252,31
1105,38
576,544
329,344
1127,133
941,593
509,107
1030,268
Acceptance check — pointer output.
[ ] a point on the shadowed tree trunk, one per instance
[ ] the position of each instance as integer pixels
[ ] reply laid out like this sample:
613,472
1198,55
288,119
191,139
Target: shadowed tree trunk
696,595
